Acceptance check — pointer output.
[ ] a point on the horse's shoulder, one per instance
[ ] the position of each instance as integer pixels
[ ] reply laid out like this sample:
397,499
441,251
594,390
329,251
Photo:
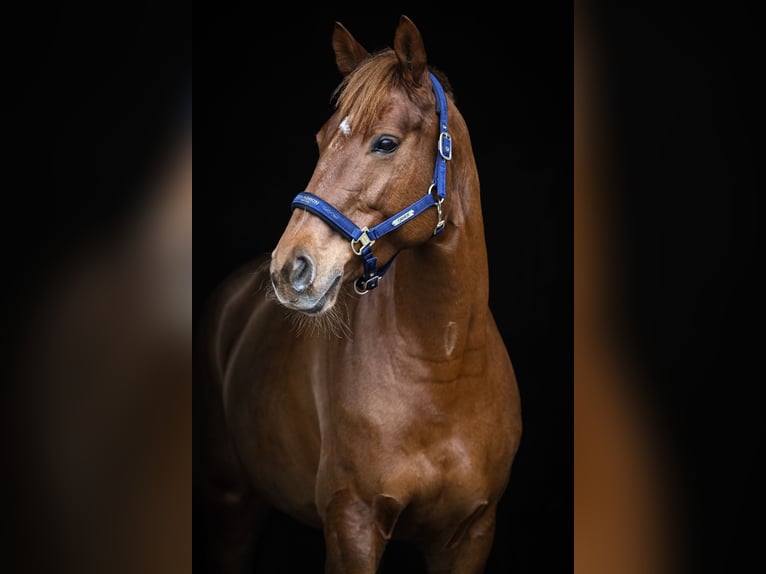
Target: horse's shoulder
228,310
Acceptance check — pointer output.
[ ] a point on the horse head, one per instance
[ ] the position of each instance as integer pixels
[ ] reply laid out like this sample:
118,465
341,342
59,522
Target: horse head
376,157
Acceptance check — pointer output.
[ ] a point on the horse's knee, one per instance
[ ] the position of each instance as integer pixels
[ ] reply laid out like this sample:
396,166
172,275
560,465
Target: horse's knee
356,531
348,524
468,547
472,525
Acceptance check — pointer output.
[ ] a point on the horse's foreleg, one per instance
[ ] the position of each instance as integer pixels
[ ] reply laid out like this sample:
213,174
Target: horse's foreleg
466,551
356,532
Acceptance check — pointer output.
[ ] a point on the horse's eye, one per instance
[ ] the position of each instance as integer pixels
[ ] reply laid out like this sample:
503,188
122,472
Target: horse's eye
385,144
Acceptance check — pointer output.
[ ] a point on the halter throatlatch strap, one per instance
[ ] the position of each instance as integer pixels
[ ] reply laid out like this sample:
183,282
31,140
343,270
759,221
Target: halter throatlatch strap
362,239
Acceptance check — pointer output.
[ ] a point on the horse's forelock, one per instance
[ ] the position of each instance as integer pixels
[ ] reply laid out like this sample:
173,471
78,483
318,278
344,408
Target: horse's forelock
365,91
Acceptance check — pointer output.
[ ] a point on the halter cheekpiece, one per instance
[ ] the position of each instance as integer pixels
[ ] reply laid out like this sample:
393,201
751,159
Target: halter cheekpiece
362,239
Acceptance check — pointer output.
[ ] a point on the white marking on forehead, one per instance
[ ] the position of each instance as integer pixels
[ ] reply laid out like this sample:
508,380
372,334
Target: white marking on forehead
345,127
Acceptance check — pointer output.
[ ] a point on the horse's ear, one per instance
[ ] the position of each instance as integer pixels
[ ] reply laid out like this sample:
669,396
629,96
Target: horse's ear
348,52
409,48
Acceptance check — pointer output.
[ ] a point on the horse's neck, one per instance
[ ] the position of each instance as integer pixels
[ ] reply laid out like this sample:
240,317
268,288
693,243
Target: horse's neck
435,297
440,293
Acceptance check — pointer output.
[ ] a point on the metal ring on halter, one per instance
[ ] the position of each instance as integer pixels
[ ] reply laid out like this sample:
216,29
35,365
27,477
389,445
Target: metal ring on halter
365,289
439,215
364,239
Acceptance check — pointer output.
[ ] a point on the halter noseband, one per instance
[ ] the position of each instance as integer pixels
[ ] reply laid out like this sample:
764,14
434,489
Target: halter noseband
362,239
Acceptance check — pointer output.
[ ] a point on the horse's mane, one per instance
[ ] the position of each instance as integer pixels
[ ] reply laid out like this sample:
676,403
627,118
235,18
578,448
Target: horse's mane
364,92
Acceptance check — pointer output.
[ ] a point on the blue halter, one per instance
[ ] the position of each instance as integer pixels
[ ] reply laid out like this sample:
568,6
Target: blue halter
362,239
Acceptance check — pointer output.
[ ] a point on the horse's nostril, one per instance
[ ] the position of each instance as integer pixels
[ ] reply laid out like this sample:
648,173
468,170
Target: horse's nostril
302,273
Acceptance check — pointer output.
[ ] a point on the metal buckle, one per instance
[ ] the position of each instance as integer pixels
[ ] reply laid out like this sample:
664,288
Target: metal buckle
445,145
362,285
364,239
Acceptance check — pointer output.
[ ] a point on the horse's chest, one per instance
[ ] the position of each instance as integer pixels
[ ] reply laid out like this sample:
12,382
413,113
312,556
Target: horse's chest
403,444
384,428
434,470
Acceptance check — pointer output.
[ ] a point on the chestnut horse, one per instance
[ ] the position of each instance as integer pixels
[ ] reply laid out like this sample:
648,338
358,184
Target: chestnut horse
390,408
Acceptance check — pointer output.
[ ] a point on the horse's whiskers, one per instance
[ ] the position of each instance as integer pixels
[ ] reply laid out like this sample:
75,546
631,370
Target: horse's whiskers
268,292
333,323
265,285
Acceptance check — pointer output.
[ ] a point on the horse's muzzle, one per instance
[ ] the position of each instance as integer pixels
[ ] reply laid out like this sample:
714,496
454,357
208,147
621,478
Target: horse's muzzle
296,286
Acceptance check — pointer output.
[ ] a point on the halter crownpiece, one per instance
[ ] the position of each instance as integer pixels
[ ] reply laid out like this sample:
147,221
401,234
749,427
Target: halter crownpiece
362,239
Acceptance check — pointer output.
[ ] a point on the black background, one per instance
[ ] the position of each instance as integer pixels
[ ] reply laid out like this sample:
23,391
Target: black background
267,83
